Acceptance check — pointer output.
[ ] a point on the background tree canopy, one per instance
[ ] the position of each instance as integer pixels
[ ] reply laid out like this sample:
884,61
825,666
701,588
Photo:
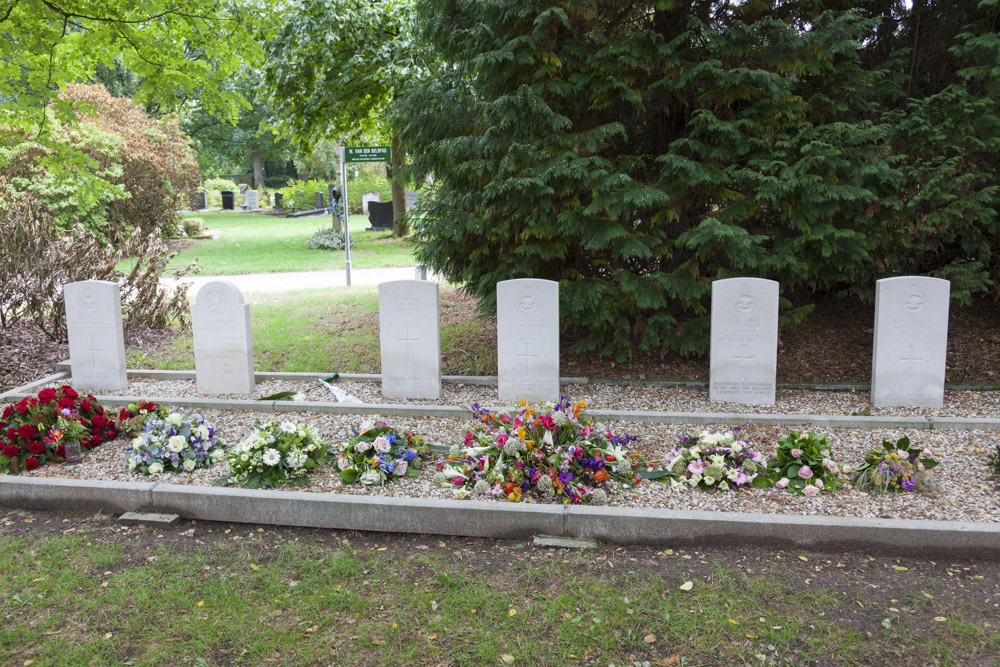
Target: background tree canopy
636,151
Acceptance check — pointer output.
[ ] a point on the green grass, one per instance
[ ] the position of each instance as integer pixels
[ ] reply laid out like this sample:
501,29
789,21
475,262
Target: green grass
255,599
335,331
263,244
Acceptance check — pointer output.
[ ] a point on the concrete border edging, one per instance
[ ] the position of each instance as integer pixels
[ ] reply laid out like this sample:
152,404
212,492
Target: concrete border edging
469,518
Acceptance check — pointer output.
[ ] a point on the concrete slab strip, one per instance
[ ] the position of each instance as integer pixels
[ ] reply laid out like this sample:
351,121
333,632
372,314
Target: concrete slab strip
505,520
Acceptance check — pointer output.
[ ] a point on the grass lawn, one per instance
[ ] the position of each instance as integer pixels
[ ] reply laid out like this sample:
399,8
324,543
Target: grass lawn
262,244
337,331
79,591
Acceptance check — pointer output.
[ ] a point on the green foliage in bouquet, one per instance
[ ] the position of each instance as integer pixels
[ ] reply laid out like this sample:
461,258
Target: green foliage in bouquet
803,463
276,453
379,453
896,467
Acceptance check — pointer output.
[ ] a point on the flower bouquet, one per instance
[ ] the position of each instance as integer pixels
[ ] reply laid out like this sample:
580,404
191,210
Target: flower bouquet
132,418
896,467
275,453
179,443
379,453
803,464
710,460
552,453
39,429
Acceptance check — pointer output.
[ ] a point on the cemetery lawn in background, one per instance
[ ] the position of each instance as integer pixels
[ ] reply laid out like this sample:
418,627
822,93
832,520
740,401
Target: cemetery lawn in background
213,593
263,244
337,331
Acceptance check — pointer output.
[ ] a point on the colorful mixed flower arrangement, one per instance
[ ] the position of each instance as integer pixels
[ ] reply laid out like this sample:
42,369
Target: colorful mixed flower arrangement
712,460
133,417
554,453
38,430
275,453
178,443
803,463
895,467
379,453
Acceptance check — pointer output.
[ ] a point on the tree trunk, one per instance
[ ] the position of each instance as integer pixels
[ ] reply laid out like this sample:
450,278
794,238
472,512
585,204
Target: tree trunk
258,171
400,225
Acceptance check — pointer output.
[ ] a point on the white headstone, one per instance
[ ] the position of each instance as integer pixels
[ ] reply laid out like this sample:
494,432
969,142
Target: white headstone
420,273
223,348
744,348
253,200
528,340
367,197
412,199
911,342
96,339
410,336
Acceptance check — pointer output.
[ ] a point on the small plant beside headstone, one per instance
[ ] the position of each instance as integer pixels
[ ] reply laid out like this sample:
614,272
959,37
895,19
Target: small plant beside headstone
379,453
179,443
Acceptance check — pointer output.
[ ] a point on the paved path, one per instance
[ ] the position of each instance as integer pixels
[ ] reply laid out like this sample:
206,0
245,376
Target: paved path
296,280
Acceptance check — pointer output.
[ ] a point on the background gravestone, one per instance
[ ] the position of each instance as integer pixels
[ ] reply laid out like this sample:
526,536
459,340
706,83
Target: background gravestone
278,201
410,337
228,200
253,200
380,215
96,338
911,342
412,199
528,339
199,201
223,347
744,347
319,200
366,198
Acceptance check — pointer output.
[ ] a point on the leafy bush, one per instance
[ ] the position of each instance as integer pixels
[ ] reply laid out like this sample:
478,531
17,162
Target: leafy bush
136,173
37,429
36,261
327,239
370,178
803,463
193,226
301,195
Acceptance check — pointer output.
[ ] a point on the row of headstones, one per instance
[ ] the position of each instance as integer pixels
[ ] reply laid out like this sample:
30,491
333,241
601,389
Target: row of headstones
908,361
199,200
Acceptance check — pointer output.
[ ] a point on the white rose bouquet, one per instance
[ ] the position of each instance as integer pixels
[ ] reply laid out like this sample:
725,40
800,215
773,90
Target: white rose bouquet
177,443
276,453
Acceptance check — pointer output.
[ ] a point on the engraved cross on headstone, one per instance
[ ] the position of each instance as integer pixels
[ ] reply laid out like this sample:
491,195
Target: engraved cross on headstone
526,357
407,340
743,359
93,354
909,365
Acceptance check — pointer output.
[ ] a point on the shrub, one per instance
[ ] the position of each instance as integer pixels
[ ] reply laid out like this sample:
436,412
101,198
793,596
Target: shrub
179,443
301,195
36,429
327,239
193,226
36,261
803,463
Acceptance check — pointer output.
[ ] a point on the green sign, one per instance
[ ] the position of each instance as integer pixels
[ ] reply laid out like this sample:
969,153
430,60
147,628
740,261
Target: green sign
367,154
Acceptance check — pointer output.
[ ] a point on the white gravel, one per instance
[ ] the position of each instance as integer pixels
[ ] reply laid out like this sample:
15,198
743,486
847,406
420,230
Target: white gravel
962,492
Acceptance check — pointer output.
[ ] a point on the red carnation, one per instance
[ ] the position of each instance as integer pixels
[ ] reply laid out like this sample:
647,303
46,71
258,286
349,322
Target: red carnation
10,451
46,395
69,391
12,434
28,432
30,463
36,448
67,402
8,411
85,406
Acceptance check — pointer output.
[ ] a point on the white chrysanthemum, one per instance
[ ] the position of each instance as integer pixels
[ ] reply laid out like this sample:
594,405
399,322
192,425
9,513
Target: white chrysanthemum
296,460
272,457
177,443
717,459
287,427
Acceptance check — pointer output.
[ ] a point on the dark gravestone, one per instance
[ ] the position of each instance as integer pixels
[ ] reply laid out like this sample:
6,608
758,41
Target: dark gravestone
228,200
278,197
380,215
198,201
319,200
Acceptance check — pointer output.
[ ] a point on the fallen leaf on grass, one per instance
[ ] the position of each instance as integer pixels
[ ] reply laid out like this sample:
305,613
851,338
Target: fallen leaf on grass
900,568
107,635
649,639
512,612
803,558
940,619
432,637
508,658
733,621
687,585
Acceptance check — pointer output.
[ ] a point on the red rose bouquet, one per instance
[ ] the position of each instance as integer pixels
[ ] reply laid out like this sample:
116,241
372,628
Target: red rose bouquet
37,429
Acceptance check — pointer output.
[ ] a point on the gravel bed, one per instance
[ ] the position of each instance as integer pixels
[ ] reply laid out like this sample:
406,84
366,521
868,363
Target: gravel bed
611,397
962,493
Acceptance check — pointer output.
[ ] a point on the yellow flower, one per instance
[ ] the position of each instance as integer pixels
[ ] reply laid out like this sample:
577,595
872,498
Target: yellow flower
521,432
522,402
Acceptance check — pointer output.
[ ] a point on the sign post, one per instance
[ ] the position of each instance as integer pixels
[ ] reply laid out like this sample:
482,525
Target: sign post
356,154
